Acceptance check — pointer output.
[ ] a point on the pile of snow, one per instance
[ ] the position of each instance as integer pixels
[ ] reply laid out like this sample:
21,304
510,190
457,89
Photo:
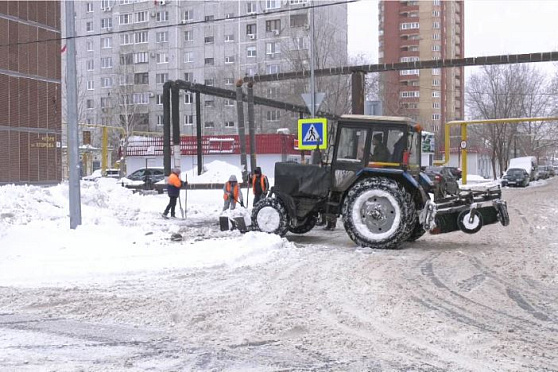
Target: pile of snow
121,233
215,172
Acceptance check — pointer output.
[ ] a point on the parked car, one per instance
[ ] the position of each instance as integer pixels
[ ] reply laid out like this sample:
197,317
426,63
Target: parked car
444,182
110,173
144,178
543,173
456,172
549,170
516,177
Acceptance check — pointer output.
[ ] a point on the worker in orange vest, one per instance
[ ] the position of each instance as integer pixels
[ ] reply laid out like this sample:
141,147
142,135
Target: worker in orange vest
173,189
232,193
260,184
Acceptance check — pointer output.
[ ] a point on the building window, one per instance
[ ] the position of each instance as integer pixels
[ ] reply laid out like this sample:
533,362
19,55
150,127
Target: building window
272,4
409,72
90,65
189,15
161,78
229,124
189,35
89,7
162,16
273,25
229,15
188,119
106,23
229,59
272,48
273,115
106,62
408,59
272,92
299,20
126,59
209,124
106,82
251,51
141,16
437,2
272,69
209,18
141,98
209,82
209,39
160,119
409,26
410,94
435,105
209,103
299,43
188,57
126,39
435,25
90,104
188,76
435,116
436,83
436,71
89,45
251,31
229,81
159,99
209,61
296,2
127,79
105,4
141,37
188,98
106,42
251,7
436,47
229,102
250,71
436,94
89,26
106,102
436,37
435,13
90,85
142,57
229,38
162,37
125,19
141,78
162,58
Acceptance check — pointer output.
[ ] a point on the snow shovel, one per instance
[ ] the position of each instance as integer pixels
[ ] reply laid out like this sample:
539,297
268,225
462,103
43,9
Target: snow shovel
180,205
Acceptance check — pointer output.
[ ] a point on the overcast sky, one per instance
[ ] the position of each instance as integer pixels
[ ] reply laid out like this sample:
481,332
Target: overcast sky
491,27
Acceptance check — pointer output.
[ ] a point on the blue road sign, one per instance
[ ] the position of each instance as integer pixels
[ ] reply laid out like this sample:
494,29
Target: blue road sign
312,133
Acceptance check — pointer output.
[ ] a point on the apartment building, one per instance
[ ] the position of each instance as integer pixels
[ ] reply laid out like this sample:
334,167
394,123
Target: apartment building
127,50
420,31
30,94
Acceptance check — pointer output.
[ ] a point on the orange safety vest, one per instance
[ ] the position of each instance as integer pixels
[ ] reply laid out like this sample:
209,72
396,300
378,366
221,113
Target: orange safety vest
262,182
235,192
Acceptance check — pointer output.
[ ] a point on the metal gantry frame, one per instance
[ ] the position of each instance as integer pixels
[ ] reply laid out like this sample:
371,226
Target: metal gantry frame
463,124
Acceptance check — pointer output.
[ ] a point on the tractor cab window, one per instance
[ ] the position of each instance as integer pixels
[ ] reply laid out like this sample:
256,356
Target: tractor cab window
388,146
351,145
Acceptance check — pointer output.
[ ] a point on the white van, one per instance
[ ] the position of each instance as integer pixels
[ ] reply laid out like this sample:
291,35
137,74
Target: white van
529,163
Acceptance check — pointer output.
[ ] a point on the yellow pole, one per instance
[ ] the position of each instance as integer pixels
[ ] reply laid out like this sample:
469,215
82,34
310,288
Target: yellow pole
104,153
464,153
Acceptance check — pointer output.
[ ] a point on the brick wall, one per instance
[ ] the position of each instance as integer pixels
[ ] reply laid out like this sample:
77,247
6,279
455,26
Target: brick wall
30,92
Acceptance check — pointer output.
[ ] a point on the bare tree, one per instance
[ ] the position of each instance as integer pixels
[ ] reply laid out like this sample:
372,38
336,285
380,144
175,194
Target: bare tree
509,91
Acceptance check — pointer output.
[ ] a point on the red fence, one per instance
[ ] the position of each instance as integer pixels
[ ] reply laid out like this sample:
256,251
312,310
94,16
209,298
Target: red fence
222,144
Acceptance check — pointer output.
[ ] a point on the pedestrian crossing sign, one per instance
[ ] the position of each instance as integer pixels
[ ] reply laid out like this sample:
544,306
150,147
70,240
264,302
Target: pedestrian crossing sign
312,133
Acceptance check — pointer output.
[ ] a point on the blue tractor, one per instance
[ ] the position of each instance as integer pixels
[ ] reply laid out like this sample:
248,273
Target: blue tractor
372,180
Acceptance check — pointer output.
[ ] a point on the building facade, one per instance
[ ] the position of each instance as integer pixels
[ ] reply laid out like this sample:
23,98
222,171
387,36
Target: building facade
420,31
127,50
30,94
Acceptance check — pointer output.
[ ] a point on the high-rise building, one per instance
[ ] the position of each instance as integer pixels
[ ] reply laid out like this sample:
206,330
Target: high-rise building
127,50
30,94
420,31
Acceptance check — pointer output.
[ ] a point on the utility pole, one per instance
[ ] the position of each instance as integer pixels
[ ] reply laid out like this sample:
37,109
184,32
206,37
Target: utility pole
73,137
312,87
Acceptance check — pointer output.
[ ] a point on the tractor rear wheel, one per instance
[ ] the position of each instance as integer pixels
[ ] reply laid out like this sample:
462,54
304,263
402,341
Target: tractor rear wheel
270,216
376,213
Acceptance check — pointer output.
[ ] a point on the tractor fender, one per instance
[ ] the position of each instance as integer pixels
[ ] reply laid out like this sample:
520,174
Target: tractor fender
287,201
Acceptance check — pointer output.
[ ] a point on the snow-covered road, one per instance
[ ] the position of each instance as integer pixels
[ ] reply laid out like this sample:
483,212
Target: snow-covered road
316,302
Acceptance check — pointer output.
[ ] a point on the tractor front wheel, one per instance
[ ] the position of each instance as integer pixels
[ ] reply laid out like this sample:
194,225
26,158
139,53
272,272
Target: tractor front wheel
309,224
270,216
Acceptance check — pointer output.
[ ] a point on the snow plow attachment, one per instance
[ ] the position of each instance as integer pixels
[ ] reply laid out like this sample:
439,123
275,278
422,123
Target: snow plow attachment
468,211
